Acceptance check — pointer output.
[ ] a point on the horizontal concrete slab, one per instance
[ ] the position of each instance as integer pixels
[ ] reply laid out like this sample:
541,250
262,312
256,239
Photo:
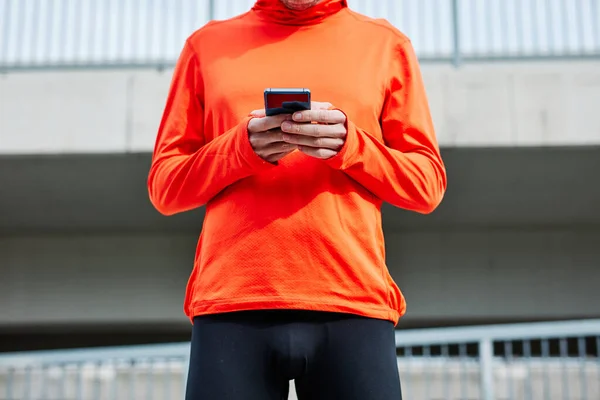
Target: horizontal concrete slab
487,187
515,238
481,105
64,112
467,274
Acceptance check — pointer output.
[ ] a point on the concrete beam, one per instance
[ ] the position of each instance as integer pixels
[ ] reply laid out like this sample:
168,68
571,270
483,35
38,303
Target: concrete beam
464,274
481,105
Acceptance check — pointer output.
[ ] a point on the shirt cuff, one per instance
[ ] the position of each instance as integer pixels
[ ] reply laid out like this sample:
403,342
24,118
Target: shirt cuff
247,154
347,154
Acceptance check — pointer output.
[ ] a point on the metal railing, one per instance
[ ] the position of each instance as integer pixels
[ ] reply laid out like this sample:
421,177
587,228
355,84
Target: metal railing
538,361
45,34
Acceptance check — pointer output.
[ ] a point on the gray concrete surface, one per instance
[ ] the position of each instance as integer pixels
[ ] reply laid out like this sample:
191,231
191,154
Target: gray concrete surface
517,238
503,104
530,187
132,279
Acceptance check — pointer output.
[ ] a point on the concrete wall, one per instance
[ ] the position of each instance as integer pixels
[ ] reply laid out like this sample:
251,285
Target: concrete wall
457,275
516,238
523,104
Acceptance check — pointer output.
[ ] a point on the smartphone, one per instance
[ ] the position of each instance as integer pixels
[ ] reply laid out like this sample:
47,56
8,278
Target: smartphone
286,101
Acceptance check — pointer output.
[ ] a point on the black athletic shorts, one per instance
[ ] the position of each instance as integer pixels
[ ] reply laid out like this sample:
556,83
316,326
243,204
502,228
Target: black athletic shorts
253,355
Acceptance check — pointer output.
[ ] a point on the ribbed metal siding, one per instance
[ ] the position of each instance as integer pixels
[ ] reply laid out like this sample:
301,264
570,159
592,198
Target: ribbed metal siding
150,33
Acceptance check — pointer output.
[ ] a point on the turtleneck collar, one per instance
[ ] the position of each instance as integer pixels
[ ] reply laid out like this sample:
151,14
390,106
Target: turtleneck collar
276,11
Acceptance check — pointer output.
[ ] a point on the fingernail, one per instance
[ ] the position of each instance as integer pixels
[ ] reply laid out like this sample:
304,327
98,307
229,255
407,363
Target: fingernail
286,138
298,116
286,125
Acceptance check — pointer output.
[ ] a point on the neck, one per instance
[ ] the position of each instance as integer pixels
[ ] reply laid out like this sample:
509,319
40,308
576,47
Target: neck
300,5
297,12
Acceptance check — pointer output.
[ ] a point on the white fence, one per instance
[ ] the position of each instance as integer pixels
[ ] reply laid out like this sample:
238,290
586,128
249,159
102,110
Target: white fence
540,361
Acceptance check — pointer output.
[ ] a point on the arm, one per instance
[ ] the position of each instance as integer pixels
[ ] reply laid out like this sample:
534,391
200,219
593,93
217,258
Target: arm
187,171
406,170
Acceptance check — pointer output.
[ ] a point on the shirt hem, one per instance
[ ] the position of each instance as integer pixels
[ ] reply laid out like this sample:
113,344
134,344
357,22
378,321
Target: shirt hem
225,306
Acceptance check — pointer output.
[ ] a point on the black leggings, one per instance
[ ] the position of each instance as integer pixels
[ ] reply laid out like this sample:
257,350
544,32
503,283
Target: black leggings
253,355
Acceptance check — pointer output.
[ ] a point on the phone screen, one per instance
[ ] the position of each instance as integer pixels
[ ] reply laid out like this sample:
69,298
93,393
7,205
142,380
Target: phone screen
276,100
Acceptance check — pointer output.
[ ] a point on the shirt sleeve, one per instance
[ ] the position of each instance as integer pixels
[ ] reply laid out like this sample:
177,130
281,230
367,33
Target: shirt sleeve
406,169
187,171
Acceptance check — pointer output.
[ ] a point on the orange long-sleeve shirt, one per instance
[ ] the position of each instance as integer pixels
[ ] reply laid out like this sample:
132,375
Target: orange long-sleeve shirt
304,233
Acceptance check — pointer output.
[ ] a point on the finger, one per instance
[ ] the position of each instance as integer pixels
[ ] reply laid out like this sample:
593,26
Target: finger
316,130
276,148
320,153
266,123
311,141
321,116
319,105
260,140
258,113
278,156
272,122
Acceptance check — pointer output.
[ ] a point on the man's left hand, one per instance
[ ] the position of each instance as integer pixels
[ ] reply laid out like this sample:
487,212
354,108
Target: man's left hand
320,133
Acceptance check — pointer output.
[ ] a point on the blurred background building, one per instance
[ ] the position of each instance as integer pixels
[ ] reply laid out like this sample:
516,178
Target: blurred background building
514,88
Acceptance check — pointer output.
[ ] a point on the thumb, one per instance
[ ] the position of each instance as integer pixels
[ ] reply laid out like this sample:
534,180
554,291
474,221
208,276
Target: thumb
258,113
319,105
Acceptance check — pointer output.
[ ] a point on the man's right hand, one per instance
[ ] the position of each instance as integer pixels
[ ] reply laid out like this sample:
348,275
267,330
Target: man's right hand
266,137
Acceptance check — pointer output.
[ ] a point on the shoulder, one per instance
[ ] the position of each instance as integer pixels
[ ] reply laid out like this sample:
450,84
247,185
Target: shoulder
379,27
216,30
